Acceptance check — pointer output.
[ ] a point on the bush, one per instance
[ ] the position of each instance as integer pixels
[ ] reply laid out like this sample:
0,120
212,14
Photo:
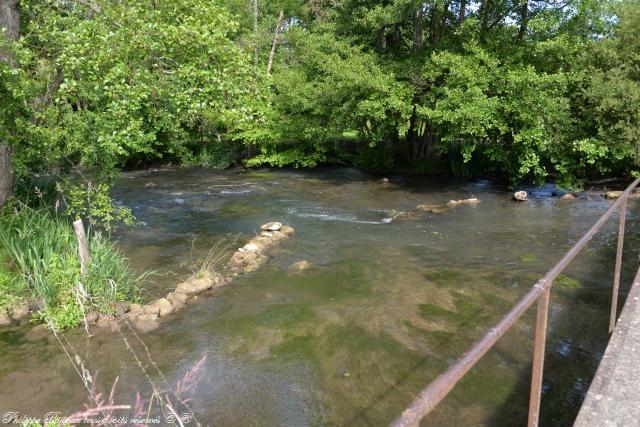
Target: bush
218,155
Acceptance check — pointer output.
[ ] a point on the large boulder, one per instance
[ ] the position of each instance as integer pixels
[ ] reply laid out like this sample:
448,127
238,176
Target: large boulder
568,196
146,322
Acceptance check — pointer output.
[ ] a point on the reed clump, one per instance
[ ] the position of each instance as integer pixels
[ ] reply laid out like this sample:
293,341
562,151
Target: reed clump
40,267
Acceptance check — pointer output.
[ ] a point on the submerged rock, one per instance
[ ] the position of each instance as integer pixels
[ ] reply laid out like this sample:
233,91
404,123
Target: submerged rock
439,209
520,196
150,185
146,322
613,194
107,321
37,333
300,266
471,201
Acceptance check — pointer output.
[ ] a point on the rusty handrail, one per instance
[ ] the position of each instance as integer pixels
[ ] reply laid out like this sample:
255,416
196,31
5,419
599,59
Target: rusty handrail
438,389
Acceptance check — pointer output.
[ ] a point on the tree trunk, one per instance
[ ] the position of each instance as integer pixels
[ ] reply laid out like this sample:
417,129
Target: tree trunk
463,11
255,32
10,22
6,172
524,19
382,40
417,30
484,18
275,42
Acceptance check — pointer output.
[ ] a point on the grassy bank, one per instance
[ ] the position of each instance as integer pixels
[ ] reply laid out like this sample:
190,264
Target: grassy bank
40,268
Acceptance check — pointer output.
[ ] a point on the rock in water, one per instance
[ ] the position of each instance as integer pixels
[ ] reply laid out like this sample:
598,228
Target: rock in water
520,196
271,226
300,266
471,201
613,194
436,209
568,196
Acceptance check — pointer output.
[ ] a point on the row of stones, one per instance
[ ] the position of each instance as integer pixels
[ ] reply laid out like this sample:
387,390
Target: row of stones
435,209
146,317
246,259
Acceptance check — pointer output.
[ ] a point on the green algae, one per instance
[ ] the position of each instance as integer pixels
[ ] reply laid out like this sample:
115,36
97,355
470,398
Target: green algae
566,283
528,258
285,315
443,277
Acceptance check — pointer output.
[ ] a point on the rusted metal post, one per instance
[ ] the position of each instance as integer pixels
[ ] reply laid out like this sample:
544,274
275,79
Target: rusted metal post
542,314
83,247
616,274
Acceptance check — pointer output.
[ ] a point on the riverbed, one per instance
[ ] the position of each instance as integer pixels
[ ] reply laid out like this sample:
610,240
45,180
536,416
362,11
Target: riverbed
382,308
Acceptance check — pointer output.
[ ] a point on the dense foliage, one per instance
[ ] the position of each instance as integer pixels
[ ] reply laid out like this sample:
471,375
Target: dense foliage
521,90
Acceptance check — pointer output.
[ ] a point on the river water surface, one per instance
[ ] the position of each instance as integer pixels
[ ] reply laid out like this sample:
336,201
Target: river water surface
383,309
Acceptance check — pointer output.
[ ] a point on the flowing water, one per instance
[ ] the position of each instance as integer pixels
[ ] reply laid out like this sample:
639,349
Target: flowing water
383,309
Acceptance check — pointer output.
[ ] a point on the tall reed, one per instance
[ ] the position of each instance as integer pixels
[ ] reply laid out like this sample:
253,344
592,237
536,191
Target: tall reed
43,249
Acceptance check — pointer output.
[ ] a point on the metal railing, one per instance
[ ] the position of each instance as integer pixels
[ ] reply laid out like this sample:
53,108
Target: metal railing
435,392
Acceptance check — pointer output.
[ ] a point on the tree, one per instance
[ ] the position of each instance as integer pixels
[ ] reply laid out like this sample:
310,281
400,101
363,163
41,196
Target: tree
10,27
126,83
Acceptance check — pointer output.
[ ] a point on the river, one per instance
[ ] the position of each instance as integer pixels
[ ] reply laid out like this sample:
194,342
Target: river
382,310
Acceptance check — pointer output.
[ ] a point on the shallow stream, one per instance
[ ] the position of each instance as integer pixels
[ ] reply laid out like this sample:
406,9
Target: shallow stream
383,309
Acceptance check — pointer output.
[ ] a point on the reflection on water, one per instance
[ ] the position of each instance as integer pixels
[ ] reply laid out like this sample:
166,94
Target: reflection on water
382,310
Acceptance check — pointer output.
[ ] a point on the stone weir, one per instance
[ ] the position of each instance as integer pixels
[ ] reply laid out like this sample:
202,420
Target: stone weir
248,258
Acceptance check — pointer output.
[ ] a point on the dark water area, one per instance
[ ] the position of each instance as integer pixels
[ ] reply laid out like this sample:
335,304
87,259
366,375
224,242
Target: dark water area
383,309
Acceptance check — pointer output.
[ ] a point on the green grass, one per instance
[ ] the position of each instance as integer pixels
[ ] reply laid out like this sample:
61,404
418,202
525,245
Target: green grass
13,289
41,265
